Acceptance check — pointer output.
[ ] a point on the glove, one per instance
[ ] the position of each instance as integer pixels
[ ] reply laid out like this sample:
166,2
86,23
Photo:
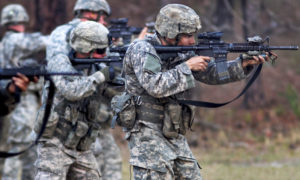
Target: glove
109,73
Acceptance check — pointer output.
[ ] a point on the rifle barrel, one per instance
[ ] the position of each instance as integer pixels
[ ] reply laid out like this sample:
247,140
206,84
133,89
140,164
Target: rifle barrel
30,71
284,47
95,61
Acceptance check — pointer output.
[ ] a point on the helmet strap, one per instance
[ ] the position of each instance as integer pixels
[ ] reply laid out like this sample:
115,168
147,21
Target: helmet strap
165,39
177,38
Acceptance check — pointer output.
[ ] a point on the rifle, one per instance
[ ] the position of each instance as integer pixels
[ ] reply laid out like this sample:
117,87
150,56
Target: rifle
210,44
82,63
30,72
120,29
114,62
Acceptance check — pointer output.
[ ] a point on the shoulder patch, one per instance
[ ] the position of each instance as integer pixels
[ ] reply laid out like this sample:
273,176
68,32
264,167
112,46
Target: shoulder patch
152,63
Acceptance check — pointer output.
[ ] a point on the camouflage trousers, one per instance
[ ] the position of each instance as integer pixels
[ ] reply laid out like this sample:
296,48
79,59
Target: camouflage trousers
20,167
56,162
108,156
155,157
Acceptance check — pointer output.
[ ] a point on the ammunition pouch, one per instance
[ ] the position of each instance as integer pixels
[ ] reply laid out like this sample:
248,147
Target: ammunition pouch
78,136
178,119
124,110
86,142
172,120
175,118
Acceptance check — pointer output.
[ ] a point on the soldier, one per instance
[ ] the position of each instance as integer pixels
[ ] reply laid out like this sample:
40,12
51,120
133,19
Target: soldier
93,10
64,151
155,121
106,150
19,48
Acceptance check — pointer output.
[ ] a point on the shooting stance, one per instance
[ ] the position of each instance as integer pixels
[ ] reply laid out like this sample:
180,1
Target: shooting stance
154,121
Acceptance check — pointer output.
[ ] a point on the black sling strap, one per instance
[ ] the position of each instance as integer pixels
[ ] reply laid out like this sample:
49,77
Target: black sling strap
216,105
45,120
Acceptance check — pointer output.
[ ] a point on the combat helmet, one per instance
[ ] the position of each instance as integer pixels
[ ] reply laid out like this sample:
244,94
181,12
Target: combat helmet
88,36
92,5
13,13
174,19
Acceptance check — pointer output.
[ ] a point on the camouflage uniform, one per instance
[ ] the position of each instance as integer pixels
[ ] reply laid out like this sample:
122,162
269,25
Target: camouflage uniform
105,149
153,83
18,48
64,152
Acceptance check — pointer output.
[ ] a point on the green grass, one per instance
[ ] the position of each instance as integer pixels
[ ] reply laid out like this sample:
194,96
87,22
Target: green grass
238,172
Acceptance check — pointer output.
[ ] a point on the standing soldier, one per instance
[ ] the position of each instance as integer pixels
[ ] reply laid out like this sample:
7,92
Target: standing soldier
155,121
18,49
64,151
106,150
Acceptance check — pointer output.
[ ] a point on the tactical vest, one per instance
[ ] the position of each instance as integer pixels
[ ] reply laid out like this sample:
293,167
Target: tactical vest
75,123
175,118
77,127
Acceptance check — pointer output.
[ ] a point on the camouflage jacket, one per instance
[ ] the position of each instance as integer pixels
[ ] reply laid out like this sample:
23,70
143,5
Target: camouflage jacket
18,50
75,97
59,40
18,47
146,73
59,46
76,92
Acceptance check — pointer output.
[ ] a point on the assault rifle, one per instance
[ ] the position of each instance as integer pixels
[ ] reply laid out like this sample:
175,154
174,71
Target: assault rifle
120,29
114,63
210,44
82,63
30,72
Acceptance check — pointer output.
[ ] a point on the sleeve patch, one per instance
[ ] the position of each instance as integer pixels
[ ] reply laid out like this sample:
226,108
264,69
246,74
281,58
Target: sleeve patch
152,64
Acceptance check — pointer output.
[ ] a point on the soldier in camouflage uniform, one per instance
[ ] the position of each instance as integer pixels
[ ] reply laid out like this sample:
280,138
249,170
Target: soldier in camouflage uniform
155,121
93,10
105,149
18,48
64,152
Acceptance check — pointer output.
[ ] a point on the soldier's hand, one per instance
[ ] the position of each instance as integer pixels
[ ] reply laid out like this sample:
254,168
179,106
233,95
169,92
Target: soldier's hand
109,73
198,63
143,33
254,60
20,81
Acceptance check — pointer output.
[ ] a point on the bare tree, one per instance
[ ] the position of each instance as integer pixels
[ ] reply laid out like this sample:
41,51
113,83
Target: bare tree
223,15
49,14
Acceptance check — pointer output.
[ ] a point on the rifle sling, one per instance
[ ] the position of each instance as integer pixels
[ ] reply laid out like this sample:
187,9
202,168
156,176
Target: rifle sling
216,105
45,121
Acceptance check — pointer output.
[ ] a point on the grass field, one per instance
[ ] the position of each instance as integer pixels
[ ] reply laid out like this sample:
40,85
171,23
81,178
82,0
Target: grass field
269,160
